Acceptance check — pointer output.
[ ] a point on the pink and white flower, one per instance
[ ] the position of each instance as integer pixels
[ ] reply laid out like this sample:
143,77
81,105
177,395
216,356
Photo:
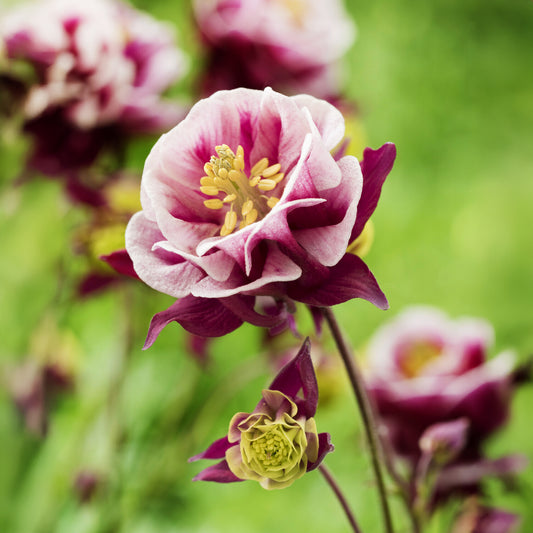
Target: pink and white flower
290,45
244,199
100,68
438,395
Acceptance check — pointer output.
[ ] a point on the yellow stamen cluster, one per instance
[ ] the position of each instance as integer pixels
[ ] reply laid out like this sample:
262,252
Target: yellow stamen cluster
224,175
271,449
417,356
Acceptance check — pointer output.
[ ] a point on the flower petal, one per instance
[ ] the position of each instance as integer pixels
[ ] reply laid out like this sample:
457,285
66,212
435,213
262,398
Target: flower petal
220,473
217,450
376,165
350,278
200,316
324,447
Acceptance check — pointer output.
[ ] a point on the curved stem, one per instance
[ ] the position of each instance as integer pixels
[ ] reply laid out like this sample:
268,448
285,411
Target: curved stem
369,424
340,496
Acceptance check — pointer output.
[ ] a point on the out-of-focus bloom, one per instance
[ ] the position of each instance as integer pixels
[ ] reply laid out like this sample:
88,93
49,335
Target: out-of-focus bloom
290,45
436,393
99,69
244,199
444,442
278,442
86,484
479,519
101,239
50,369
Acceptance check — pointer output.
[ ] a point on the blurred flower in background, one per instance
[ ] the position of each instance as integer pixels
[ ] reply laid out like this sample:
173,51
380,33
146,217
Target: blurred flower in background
244,199
49,370
439,398
98,70
289,45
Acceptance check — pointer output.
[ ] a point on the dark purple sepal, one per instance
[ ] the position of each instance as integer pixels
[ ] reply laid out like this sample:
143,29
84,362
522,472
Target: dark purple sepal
350,278
121,262
318,318
95,282
375,166
297,375
243,307
324,447
217,450
220,473
200,316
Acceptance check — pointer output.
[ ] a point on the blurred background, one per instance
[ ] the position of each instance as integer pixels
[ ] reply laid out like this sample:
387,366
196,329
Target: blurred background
451,84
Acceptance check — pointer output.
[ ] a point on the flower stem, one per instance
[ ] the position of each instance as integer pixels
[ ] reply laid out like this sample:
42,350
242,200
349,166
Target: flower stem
369,424
340,496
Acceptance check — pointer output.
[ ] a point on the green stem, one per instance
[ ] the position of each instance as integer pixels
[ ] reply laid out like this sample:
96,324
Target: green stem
340,496
367,416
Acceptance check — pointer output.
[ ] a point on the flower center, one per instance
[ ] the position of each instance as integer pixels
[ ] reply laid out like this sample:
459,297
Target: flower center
418,355
243,194
271,449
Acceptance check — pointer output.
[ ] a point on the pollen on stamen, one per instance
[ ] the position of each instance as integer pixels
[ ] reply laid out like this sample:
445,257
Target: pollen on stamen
271,171
225,176
259,167
214,203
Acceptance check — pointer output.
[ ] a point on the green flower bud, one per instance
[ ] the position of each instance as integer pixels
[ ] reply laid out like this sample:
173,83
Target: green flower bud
274,447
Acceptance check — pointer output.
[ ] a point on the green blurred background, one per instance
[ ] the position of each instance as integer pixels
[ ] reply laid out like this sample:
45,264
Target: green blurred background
451,83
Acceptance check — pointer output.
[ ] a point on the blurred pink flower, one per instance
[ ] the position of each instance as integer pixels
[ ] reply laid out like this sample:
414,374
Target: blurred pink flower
100,68
290,45
436,392
244,199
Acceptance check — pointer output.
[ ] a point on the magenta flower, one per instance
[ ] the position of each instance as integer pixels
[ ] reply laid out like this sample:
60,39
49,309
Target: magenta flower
100,68
436,393
244,199
278,442
290,45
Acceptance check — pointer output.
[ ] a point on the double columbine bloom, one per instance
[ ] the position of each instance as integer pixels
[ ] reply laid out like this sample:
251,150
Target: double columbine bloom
99,69
439,397
290,45
278,442
249,197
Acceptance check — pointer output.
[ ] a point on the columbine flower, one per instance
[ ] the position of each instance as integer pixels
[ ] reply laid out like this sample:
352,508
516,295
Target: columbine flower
290,45
437,394
100,68
278,442
244,199
101,238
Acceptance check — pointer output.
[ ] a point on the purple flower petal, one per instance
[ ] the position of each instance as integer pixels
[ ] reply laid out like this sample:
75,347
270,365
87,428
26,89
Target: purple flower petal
376,165
220,473
120,261
217,450
350,278
297,375
324,447
200,316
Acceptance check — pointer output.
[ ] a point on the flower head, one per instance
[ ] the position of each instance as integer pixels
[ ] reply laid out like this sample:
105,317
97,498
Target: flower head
438,396
99,69
290,45
278,442
244,199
